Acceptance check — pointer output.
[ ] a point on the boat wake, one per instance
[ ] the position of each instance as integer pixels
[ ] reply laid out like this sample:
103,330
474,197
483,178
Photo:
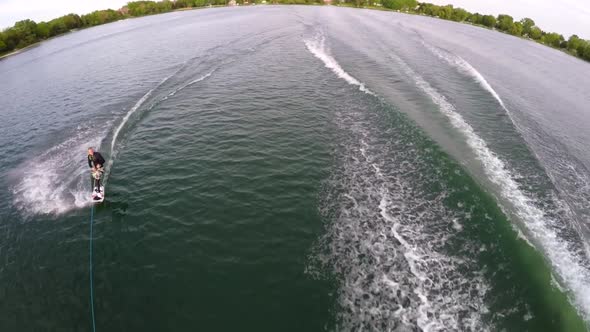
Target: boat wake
570,171
145,97
387,236
466,68
56,181
317,47
570,264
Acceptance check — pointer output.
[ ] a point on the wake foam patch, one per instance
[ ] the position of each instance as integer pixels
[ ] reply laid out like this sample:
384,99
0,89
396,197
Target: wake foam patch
57,180
387,240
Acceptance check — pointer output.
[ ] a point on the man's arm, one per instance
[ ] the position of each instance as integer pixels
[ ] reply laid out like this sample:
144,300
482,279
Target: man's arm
98,159
89,162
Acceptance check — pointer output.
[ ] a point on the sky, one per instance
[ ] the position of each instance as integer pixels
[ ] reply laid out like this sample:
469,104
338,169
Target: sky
564,16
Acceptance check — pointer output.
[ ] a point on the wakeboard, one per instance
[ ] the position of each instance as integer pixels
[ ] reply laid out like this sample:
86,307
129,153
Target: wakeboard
98,197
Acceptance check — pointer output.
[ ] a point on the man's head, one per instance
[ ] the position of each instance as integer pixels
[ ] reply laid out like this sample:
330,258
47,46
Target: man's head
90,151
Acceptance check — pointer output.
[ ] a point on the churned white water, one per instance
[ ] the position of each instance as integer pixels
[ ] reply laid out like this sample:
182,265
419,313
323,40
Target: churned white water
386,241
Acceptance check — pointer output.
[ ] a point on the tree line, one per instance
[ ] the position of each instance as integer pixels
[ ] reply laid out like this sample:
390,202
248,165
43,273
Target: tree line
27,32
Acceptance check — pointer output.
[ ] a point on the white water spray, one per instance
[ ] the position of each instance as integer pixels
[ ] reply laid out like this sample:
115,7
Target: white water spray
317,47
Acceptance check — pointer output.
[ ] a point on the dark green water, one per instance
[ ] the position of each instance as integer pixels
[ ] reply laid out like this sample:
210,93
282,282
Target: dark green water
294,169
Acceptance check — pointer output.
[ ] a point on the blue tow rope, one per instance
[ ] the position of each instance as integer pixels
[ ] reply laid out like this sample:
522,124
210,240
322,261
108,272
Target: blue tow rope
91,273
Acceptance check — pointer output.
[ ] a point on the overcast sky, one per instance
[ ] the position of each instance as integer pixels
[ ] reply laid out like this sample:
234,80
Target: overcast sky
563,16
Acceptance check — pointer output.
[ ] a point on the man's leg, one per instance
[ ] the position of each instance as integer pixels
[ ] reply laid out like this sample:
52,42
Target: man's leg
100,173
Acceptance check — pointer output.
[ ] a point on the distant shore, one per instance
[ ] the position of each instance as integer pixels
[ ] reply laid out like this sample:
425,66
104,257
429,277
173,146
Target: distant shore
15,52
26,48
447,13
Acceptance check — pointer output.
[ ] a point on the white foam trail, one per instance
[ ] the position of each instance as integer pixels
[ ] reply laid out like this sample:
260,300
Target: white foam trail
317,47
190,83
413,257
142,100
568,265
201,78
132,110
466,68
418,258
387,246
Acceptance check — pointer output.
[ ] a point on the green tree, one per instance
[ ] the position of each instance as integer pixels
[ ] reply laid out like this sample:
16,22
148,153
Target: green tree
489,21
585,53
181,4
475,18
139,8
43,30
527,25
516,29
100,17
10,39
573,43
428,9
552,39
504,22
584,44
459,15
57,26
71,21
446,12
165,6
25,33
535,33
400,4
563,44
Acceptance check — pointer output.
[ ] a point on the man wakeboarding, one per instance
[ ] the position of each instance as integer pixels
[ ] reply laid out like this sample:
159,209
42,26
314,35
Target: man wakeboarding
95,162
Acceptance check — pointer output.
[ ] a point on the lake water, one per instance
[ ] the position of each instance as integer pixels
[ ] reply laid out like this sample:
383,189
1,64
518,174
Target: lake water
295,169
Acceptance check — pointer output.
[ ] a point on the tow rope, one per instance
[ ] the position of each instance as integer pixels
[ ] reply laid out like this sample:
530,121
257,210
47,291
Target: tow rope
91,272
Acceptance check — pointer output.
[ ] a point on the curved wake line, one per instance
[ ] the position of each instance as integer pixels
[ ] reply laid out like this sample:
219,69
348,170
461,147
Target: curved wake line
141,101
133,109
569,267
466,68
317,47
190,83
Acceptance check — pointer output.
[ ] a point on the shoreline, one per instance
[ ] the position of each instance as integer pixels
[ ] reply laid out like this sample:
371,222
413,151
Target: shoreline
564,51
379,8
26,48
15,52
